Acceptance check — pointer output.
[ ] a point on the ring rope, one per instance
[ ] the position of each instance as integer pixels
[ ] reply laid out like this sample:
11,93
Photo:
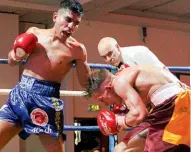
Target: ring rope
4,92
86,128
175,69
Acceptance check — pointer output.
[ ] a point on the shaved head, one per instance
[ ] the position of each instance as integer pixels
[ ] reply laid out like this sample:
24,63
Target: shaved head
109,50
106,44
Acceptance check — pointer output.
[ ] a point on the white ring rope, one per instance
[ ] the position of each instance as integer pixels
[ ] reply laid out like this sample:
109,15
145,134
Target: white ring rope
62,92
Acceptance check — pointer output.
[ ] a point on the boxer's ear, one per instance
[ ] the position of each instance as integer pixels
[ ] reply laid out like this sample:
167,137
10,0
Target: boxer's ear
117,46
55,14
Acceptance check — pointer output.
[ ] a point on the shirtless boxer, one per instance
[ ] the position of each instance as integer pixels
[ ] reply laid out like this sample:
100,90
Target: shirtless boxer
33,106
168,123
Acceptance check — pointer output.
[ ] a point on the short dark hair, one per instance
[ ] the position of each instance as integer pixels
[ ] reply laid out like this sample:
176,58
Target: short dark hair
95,80
72,5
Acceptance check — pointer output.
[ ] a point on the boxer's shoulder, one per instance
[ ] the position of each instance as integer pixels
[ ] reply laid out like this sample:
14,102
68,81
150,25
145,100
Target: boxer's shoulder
73,41
33,30
128,74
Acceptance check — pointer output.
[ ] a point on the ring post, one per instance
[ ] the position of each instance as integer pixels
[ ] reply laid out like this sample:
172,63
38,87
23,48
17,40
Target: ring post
111,143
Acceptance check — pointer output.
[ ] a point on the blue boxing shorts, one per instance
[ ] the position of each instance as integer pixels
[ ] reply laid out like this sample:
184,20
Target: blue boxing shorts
35,105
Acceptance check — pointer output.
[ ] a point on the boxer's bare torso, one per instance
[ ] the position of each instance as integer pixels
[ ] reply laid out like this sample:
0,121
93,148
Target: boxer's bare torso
144,79
52,57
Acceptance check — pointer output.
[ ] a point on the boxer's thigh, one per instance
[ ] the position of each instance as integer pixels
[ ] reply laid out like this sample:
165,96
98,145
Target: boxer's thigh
135,144
7,131
52,144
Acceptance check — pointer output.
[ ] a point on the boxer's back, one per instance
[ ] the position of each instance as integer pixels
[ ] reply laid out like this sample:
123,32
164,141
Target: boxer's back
146,79
52,58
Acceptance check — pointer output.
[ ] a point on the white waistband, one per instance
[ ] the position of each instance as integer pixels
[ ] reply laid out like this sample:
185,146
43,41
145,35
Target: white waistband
165,92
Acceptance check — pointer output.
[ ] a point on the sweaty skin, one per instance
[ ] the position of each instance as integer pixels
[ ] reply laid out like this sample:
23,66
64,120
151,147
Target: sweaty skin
133,86
52,58
114,54
144,79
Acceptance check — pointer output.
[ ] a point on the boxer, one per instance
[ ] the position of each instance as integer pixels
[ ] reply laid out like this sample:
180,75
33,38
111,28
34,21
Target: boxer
122,57
34,105
168,123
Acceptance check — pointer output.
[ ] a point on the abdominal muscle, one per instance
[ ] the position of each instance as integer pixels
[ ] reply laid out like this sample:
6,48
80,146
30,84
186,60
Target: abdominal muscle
50,68
51,76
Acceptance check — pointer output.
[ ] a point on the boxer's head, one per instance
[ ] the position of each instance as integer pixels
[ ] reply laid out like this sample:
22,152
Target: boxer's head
67,18
109,49
100,87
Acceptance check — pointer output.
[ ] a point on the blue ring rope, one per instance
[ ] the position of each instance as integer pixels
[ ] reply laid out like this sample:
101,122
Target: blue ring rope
175,69
85,128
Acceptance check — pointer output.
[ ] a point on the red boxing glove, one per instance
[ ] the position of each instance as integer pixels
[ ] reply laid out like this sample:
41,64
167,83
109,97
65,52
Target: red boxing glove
120,109
24,44
109,123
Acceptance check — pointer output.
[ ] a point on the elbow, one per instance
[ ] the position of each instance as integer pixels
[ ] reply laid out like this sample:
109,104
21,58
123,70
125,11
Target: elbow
141,116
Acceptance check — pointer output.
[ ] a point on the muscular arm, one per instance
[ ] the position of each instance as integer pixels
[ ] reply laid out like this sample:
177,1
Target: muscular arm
137,109
82,67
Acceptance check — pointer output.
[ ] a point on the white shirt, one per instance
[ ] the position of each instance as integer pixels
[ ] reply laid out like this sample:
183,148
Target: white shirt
139,55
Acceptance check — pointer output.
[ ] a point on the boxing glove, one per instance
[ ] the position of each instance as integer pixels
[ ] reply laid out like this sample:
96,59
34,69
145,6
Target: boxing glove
24,44
120,109
109,123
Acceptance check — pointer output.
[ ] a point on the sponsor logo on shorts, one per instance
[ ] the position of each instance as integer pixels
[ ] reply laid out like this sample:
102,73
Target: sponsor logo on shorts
48,130
26,82
39,117
57,104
